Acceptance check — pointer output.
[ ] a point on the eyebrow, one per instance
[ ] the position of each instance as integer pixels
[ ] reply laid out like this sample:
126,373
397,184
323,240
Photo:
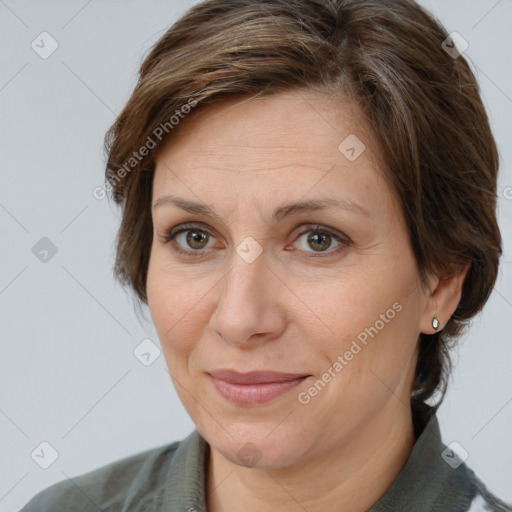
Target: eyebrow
279,213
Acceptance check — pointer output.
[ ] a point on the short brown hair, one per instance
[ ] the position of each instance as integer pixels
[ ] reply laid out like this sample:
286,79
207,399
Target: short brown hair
385,56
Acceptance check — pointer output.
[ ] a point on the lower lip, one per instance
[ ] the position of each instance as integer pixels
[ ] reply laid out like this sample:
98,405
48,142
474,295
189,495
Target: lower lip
251,394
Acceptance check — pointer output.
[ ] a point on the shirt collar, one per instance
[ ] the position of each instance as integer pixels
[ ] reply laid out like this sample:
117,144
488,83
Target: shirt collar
186,477
416,485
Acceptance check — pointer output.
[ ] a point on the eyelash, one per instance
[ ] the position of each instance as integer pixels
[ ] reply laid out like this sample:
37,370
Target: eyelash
172,233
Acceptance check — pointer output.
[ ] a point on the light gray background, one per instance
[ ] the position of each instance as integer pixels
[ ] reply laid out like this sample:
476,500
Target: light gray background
67,369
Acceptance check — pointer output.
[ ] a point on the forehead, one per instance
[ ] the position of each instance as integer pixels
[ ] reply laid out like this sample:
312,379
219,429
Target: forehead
293,144
296,120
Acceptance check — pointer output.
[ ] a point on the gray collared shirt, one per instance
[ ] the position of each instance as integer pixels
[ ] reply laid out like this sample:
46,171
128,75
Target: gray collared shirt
172,478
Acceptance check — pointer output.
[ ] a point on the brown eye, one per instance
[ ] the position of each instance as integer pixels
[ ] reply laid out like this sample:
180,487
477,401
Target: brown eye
189,240
195,239
320,239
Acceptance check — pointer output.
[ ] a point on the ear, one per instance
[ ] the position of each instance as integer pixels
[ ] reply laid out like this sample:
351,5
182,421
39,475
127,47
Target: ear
443,299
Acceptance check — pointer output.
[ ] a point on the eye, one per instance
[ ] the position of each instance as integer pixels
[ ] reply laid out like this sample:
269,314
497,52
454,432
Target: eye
320,239
190,240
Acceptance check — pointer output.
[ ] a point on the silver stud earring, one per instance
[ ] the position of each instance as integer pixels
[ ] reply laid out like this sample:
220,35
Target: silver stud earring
435,323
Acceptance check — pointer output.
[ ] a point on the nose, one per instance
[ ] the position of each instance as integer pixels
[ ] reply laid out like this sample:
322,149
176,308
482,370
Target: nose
248,310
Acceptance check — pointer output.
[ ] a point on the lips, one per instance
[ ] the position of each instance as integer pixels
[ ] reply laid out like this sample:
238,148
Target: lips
254,387
264,377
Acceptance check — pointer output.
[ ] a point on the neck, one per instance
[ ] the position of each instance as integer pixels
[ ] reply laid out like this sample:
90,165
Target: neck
351,477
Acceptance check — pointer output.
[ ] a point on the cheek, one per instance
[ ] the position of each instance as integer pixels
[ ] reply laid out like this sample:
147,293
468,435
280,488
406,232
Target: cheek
369,318
176,304
344,305
165,298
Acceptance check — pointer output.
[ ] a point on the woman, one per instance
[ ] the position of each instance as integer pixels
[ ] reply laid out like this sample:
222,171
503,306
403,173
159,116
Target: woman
290,174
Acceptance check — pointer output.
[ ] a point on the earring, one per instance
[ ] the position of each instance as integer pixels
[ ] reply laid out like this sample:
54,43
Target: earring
435,323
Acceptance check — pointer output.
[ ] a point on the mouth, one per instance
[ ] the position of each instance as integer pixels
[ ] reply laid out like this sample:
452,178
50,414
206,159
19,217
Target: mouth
255,387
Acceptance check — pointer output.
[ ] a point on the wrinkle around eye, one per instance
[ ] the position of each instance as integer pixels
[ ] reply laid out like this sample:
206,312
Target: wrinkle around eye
172,235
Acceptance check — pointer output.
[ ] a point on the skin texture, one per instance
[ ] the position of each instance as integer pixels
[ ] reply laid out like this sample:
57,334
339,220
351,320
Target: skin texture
295,308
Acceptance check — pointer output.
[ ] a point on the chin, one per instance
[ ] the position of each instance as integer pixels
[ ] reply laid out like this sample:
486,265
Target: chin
256,445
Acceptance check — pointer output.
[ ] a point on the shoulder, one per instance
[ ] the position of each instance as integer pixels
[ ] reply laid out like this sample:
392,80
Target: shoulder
463,488
485,501
459,488
435,478
108,487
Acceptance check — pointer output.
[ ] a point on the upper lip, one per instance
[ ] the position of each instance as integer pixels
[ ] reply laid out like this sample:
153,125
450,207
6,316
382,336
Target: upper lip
254,377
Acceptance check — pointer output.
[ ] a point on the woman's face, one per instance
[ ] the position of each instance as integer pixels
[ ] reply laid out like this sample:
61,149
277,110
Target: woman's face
330,295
